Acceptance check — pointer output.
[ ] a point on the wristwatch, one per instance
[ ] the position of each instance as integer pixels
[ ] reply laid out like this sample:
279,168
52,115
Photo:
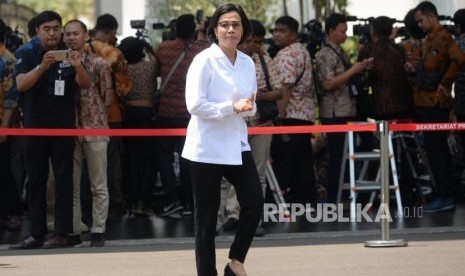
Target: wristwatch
38,69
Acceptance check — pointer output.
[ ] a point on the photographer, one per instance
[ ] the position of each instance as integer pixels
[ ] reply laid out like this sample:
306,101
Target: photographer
392,96
337,103
293,157
172,110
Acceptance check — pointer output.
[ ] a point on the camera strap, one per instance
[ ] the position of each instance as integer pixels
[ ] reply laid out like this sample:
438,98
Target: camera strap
347,65
265,71
301,74
173,69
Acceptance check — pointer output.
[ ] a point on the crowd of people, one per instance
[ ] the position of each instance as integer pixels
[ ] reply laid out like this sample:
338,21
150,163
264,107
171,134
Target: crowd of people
204,87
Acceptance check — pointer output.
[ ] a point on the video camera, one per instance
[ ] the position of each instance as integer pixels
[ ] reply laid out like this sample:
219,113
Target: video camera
314,38
139,25
362,30
169,30
13,39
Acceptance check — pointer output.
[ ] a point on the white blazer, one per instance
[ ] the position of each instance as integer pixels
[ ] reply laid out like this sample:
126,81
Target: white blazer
216,134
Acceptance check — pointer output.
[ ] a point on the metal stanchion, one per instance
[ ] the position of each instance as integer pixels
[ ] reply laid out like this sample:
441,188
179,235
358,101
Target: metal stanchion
385,217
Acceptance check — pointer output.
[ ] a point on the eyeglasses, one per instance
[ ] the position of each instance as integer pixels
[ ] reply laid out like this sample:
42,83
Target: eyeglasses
227,25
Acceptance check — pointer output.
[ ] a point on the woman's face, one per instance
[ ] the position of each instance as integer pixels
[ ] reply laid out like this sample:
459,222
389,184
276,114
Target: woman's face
229,30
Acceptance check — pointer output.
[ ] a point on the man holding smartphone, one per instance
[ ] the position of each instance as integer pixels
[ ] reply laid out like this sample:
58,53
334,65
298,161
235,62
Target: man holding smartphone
49,89
337,103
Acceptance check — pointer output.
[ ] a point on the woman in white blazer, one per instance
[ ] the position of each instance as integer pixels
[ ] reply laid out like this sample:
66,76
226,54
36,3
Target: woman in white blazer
220,91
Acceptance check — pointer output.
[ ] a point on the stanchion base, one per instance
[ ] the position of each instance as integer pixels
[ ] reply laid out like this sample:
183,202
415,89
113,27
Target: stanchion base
388,243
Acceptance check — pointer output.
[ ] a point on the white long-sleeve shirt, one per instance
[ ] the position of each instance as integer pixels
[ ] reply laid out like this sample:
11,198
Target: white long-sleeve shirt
216,134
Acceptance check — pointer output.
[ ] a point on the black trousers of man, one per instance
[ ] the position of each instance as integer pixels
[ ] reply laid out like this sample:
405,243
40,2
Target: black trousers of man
38,151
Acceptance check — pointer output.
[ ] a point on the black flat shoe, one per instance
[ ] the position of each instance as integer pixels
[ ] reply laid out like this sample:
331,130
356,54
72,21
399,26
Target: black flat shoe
228,271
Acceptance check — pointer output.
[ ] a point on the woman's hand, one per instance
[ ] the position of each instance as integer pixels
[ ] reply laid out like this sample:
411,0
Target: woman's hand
244,104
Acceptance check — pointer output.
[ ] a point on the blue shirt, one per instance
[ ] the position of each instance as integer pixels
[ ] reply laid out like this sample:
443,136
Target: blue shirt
42,108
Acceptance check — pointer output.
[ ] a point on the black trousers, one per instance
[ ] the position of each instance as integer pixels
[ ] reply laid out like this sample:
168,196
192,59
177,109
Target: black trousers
10,202
38,151
293,163
437,149
206,183
139,157
335,144
166,146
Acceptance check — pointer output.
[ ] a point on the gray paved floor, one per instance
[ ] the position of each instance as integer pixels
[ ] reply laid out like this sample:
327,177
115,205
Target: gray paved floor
431,251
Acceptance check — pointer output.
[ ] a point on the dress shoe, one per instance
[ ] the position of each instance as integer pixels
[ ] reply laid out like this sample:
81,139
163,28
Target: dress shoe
57,242
97,240
29,243
228,271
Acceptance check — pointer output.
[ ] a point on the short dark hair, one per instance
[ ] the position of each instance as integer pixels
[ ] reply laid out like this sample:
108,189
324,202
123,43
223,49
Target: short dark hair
257,28
106,23
225,8
459,19
185,26
411,25
47,16
426,7
333,20
83,25
31,27
2,31
288,21
382,26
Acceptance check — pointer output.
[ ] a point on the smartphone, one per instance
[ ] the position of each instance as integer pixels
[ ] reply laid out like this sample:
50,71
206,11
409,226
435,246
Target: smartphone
199,16
60,55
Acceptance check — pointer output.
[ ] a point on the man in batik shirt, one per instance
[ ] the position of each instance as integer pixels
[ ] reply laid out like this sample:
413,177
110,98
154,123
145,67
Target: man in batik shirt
441,61
91,113
292,154
337,104
103,44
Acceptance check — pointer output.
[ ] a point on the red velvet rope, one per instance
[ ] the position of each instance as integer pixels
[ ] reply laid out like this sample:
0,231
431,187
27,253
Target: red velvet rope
356,127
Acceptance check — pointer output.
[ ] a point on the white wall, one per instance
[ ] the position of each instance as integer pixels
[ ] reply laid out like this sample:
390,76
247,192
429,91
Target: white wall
124,11
398,8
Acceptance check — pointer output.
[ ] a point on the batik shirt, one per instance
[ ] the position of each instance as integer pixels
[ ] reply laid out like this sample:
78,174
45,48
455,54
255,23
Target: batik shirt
173,101
391,89
7,69
289,64
122,83
261,82
337,102
93,102
440,55
143,79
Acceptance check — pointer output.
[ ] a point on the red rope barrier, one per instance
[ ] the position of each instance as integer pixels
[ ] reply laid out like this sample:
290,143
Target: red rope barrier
180,131
356,127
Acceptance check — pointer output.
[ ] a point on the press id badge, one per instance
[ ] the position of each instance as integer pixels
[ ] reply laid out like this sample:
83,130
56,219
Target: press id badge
59,87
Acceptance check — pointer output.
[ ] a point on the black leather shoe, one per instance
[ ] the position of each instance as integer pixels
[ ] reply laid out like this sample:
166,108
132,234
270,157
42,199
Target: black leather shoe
228,271
29,243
